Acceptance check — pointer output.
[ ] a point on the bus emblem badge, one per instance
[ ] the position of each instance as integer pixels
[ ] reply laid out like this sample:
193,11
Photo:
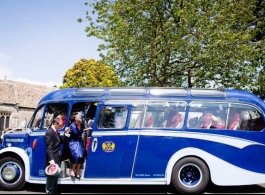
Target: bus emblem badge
108,146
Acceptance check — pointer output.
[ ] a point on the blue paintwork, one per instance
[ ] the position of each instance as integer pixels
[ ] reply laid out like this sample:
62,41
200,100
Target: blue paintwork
154,153
105,164
128,156
37,156
15,140
37,160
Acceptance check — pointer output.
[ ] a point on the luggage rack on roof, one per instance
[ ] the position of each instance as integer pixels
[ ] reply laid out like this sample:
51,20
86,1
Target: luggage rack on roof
207,92
153,91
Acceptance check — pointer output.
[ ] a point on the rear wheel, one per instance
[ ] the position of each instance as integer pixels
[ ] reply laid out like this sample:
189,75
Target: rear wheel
12,174
190,175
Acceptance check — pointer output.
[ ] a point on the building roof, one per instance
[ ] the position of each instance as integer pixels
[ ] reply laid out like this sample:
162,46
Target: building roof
22,94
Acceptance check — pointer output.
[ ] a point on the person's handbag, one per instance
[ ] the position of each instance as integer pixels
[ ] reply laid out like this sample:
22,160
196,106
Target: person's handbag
52,170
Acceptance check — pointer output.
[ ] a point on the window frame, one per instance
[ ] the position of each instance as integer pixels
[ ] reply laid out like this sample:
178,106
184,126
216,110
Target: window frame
101,118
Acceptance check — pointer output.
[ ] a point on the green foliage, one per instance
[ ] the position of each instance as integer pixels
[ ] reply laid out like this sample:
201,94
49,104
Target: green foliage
90,73
191,43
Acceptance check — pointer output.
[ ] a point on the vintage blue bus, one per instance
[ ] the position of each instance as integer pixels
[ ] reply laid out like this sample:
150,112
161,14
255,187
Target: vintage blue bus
183,137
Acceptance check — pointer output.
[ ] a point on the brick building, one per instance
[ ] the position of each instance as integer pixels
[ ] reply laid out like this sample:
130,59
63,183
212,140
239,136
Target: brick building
18,101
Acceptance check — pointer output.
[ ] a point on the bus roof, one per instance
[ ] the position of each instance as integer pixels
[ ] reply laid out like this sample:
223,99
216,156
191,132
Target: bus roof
109,93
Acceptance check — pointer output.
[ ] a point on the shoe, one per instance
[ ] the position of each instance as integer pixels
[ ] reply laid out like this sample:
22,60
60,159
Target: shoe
73,177
78,177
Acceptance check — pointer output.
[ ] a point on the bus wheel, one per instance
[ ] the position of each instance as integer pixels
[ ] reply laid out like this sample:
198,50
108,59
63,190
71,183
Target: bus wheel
12,174
190,175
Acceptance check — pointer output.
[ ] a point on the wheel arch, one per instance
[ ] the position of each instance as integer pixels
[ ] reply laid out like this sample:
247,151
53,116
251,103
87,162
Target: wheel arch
21,155
184,153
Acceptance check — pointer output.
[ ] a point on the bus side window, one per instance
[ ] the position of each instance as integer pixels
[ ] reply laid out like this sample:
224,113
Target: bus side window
36,124
193,122
245,117
207,115
195,112
149,122
119,122
54,110
252,121
257,124
234,121
210,121
165,114
169,113
245,120
113,117
136,116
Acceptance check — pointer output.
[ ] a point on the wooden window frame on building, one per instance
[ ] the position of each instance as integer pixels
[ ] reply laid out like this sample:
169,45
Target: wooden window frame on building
7,116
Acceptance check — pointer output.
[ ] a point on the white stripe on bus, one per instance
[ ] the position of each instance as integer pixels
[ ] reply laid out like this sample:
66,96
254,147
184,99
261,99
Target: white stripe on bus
228,140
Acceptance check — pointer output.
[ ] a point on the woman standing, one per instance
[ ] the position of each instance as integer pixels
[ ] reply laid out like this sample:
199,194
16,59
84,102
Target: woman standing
76,146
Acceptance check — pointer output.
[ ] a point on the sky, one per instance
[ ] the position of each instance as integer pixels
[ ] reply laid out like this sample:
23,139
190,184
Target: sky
41,40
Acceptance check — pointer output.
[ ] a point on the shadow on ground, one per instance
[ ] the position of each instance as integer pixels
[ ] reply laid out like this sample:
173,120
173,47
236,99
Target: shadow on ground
249,189
141,189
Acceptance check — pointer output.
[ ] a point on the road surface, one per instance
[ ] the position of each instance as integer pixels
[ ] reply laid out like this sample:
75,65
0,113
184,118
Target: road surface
125,189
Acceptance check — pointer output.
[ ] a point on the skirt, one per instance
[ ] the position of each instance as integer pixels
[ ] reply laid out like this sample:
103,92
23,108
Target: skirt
77,151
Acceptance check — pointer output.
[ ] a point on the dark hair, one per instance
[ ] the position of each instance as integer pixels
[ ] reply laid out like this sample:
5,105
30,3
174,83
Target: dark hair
57,120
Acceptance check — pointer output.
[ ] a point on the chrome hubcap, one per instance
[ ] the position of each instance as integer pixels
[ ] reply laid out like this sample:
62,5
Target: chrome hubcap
190,175
10,173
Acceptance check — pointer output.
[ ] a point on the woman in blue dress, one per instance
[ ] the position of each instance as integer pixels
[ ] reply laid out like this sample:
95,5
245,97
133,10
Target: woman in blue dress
76,146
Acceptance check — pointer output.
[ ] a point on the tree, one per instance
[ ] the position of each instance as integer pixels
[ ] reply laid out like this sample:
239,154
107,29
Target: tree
259,22
258,40
90,73
182,43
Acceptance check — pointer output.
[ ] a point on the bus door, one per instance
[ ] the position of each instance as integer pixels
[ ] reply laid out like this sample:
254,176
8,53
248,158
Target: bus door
107,142
39,125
